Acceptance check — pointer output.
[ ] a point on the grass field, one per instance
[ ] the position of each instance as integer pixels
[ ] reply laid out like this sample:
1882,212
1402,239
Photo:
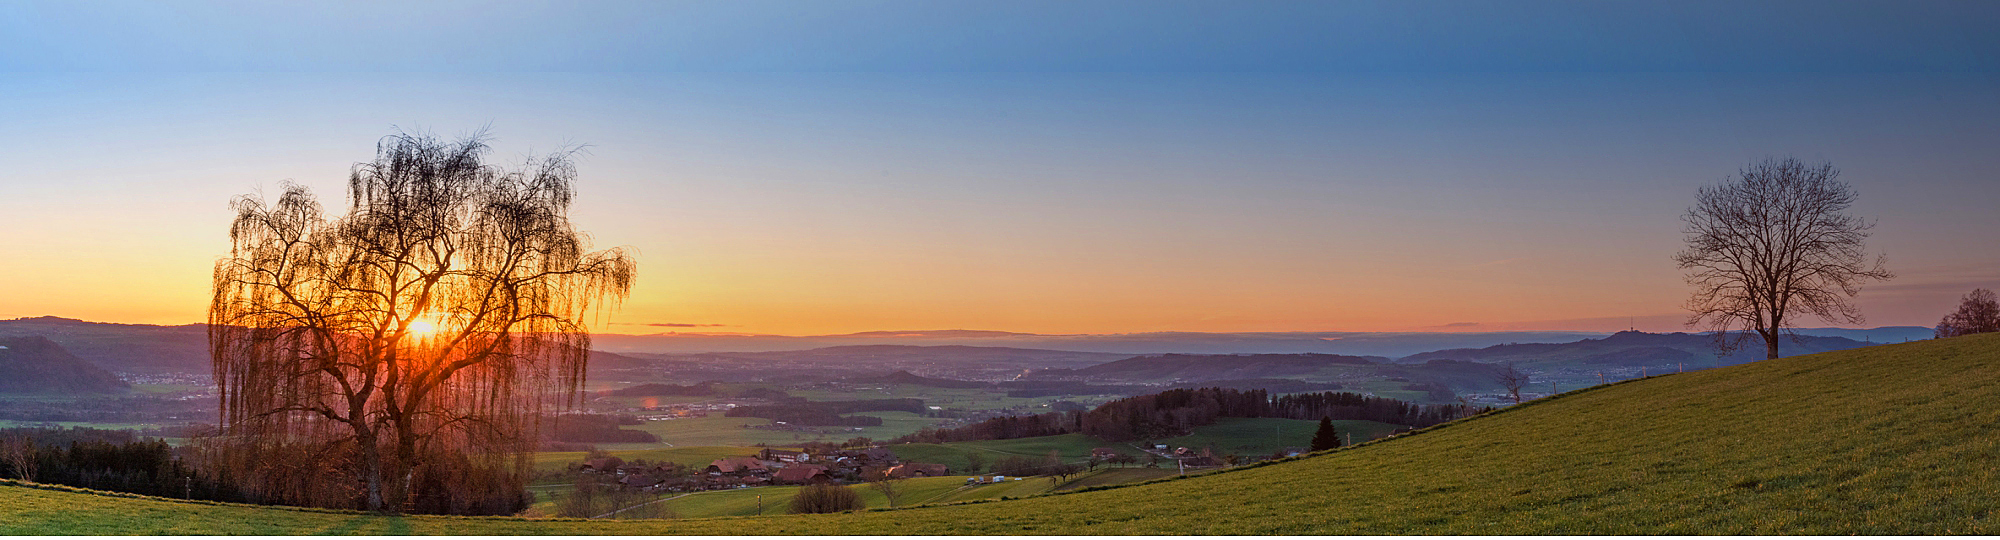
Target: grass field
1893,439
1248,437
718,430
1071,447
911,492
1259,437
693,456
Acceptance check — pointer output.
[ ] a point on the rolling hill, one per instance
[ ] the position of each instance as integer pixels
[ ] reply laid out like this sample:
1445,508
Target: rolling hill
1894,439
1353,343
131,348
905,377
36,365
1635,349
1199,367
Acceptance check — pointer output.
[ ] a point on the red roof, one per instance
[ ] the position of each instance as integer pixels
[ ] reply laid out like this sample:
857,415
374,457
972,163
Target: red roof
800,473
734,464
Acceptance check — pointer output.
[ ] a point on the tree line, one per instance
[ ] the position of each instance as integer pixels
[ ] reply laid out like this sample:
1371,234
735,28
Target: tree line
1177,412
110,460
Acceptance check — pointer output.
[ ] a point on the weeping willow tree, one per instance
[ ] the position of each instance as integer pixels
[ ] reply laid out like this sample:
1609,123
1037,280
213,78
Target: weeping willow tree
401,357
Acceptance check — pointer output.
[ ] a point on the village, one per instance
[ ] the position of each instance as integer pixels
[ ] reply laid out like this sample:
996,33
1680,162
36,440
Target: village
829,464
770,466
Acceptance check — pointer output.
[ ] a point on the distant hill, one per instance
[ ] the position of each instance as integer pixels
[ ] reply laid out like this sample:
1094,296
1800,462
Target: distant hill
1201,367
938,354
37,365
129,348
1275,386
1633,349
905,377
657,389
145,348
1349,343
1880,334
851,361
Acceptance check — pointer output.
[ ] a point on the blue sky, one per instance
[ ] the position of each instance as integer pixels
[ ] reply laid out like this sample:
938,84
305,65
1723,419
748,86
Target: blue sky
817,167
1027,36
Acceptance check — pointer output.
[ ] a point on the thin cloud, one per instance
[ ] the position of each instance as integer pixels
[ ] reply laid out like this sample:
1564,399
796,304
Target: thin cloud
669,324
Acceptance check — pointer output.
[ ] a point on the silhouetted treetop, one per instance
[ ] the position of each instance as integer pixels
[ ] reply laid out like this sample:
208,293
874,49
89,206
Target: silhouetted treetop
416,340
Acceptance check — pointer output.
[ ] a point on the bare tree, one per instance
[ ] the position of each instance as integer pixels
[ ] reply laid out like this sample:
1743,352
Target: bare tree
1513,379
1978,313
411,346
18,452
886,484
1773,245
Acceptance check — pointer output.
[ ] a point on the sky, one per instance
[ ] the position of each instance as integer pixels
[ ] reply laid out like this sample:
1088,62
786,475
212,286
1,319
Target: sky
1053,167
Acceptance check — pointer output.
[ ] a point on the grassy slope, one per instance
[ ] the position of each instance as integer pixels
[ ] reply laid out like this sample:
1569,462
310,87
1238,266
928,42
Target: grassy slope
718,430
911,492
1896,439
1249,437
1258,437
1071,447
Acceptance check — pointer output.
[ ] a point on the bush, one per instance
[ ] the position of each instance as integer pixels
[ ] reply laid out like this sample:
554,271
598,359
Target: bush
825,499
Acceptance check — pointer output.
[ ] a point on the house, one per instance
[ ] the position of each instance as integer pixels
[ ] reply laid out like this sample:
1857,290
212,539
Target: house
740,464
802,474
638,481
918,470
1201,461
1103,453
603,464
880,455
786,456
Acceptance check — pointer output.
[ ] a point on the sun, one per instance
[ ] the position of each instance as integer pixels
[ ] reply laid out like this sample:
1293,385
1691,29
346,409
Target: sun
422,328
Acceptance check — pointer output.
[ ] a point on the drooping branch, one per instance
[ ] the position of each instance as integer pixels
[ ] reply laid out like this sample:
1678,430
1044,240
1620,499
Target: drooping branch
442,313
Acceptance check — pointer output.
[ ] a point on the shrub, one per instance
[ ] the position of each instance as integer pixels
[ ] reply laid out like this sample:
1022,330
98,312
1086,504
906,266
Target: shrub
825,499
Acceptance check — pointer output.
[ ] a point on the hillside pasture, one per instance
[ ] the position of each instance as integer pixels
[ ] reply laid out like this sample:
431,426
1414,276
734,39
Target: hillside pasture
1886,440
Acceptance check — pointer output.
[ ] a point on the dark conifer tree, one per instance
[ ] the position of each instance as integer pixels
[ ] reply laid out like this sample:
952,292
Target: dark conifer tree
1326,438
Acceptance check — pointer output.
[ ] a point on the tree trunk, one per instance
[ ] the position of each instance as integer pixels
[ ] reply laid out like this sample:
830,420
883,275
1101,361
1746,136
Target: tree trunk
371,472
406,459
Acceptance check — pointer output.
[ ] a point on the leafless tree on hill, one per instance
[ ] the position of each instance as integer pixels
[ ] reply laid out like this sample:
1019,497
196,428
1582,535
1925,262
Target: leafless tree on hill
400,357
886,484
1772,245
1513,379
1978,313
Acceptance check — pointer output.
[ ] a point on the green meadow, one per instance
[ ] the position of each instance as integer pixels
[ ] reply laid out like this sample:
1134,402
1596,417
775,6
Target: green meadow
1893,439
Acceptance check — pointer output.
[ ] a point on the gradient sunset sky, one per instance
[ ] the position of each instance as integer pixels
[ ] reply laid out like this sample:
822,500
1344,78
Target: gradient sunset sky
1059,167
